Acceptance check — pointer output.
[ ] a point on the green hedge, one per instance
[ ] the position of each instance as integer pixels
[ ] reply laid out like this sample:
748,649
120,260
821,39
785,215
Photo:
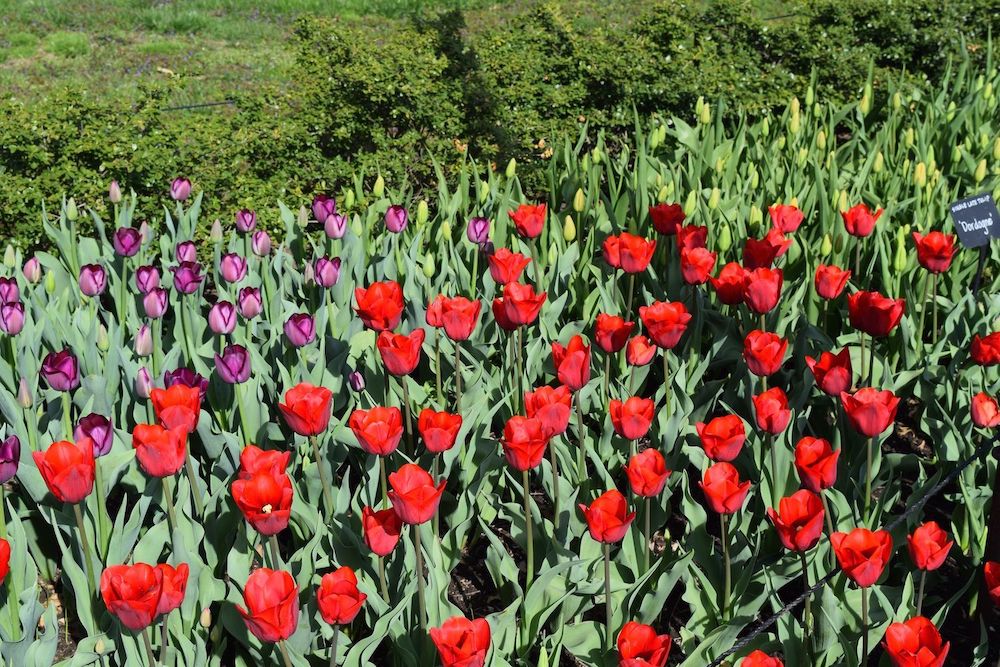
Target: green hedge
386,96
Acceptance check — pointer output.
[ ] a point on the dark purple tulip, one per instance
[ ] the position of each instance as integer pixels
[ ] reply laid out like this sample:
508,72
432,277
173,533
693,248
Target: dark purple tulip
186,377
246,220
356,380
61,371
186,251
99,429
127,241
180,189
9,291
93,279
155,302
10,457
232,267
327,271
32,270
233,366
478,230
260,243
222,318
335,226
143,383
396,219
249,302
147,278
487,248
12,318
300,329
187,277
323,207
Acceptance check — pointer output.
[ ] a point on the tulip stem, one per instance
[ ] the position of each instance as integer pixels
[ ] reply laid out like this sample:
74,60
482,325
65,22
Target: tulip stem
530,558
284,653
474,278
862,354
807,611
934,308
164,639
436,523
775,492
727,565
381,579
155,334
102,507
150,656
667,398
868,476
272,544
193,481
520,367
923,311
631,293
327,492
581,456
243,419
458,377
168,502
333,646
13,586
406,412
182,306
864,624
607,377
437,365
67,402
85,547
920,592
420,575
553,459
385,482
607,597
829,517
648,536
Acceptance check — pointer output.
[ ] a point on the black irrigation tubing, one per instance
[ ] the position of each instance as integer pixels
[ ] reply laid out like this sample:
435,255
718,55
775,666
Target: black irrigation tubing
984,447
203,105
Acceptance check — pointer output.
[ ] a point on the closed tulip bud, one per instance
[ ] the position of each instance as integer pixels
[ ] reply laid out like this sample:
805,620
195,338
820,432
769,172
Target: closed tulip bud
429,269
793,106
821,140
32,271
205,618
246,221
103,343
865,105
445,230
260,243
663,194
155,303
950,112
794,125
143,342
553,254
50,283
146,232
780,142
222,318
755,220
725,239
826,247
71,211
705,117
897,101
357,381
143,384
754,179
114,192
699,104
879,163
980,171
713,199
483,191
900,259
720,164
908,137
378,189
180,189
920,175
842,201
569,229
511,168
810,96
691,203
24,394
996,148
9,258
93,279
308,274
817,109
585,163
765,126
215,234
579,200
302,219
422,212
596,155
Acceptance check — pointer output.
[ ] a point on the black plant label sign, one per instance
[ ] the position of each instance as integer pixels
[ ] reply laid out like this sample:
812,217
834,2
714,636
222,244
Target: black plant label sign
976,220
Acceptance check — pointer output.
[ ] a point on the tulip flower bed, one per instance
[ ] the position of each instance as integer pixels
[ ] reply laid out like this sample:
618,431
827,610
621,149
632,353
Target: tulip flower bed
619,422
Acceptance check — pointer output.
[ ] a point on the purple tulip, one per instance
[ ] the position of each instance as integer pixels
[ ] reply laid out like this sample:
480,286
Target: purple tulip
249,302
186,251
487,248
32,270
143,341
180,189
300,329
335,226
260,243
396,219
114,192
186,377
61,371
222,318
187,277
12,318
232,267
155,303
127,241
233,366
10,458
327,271
93,279
323,207
478,230
357,381
99,429
246,220
147,278
9,291
143,383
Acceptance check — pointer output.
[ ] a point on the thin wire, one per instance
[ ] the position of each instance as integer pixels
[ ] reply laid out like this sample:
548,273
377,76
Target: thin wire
199,106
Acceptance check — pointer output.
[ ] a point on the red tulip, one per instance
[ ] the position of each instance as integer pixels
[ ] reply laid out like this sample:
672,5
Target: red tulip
4,559
696,265
915,643
639,351
986,351
378,429
723,489
692,236
178,405
413,494
521,304
461,642
132,593
873,313
816,462
435,312
506,266
265,500
381,529
935,250
991,574
870,411
611,332
400,353
666,218
632,418
254,460
307,408
635,252
460,316
798,520
985,411
764,352
830,280
760,659
761,253
160,452
665,322
272,605
640,646
722,438
174,587
338,597
608,517
524,442
929,546
67,469
647,473
611,251
771,409
730,284
438,429
572,363
550,406
762,289
786,218
862,554
833,372
380,306
859,220
528,219
500,316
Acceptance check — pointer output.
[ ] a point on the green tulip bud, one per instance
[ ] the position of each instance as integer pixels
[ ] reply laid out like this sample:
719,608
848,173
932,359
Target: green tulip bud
662,195
670,188
996,148
950,112
654,139
50,283
579,201
956,154
585,162
756,217
71,212
720,164
906,167
899,262
793,106
484,191
897,101
445,230
302,220
980,171
826,247
9,256
705,117
205,619
378,189
754,179
988,93
830,157
553,254
865,105
713,199
699,105
422,212
596,155
662,133
920,175
843,200
691,203
967,144
817,109
821,140
725,240
810,96
511,170
803,155
103,344
348,199
838,243
765,127
780,143
908,137
357,227
215,233
569,229
429,265
794,124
